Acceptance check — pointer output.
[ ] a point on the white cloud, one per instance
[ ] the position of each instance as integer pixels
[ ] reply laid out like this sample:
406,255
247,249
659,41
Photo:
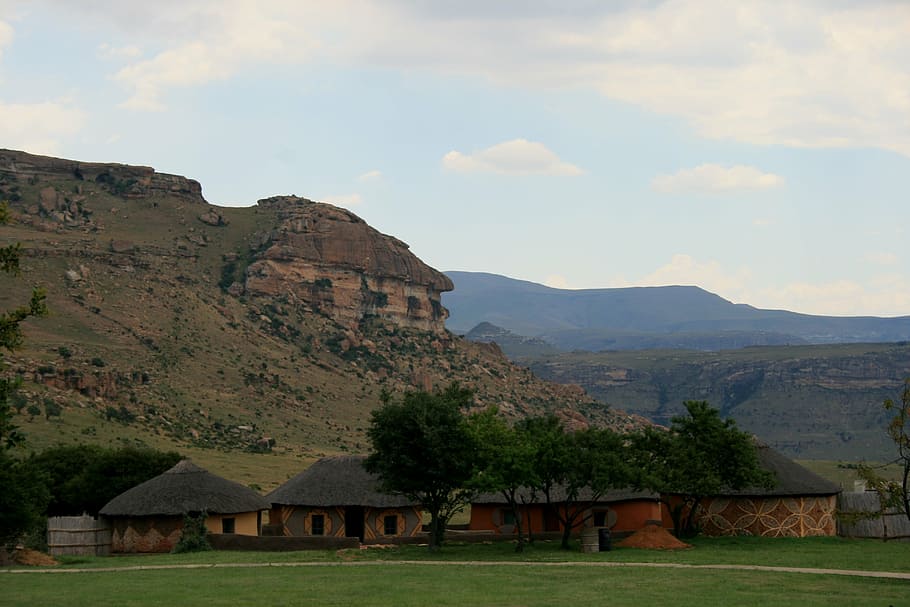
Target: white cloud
711,275
557,282
881,295
714,178
805,74
108,51
344,200
38,128
6,36
515,157
882,258
231,36
370,175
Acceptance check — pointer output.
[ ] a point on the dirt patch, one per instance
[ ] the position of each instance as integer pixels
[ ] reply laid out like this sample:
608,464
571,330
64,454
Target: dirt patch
33,558
653,537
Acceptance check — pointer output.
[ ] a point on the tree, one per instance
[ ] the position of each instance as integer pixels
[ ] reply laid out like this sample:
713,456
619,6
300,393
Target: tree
893,494
505,463
700,455
83,478
594,461
424,450
22,492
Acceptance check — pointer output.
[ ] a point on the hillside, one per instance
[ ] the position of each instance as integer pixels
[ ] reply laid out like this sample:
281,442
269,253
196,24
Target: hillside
646,317
255,339
811,402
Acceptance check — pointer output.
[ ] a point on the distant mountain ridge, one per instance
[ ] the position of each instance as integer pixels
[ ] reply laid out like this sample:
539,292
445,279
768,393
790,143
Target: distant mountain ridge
685,317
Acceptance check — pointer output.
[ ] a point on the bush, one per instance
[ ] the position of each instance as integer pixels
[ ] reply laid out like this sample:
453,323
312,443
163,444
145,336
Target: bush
195,536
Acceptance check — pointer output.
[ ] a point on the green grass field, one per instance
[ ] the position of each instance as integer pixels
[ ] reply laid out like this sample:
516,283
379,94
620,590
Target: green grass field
452,584
544,575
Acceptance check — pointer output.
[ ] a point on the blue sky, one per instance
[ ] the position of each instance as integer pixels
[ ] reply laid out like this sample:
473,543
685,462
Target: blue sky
760,150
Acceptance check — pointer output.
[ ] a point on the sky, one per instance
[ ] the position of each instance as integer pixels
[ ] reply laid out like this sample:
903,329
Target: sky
757,149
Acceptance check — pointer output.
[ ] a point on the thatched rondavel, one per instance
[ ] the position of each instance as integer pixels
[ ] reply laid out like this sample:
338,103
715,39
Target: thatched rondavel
337,497
149,517
621,510
800,503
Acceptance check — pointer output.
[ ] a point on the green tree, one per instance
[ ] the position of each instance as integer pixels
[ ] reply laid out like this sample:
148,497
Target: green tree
505,463
594,461
894,494
700,455
424,450
83,478
22,491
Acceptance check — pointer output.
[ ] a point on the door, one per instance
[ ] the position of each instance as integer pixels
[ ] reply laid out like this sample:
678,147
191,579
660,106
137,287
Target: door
353,522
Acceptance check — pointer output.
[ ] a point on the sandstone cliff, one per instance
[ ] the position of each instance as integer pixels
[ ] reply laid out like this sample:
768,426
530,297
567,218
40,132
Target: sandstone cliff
123,179
332,260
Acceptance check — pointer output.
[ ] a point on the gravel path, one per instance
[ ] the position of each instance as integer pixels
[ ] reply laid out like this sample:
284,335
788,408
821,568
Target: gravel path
808,570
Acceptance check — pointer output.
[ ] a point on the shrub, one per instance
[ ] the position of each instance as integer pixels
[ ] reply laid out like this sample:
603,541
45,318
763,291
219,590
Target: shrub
195,536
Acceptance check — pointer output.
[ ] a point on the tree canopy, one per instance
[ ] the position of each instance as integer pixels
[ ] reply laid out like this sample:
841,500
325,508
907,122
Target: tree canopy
700,455
424,450
23,494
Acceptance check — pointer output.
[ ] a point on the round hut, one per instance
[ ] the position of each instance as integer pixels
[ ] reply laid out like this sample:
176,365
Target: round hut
149,517
800,503
337,497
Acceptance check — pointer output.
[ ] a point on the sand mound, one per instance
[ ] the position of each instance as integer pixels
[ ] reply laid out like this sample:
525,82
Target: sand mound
33,557
653,537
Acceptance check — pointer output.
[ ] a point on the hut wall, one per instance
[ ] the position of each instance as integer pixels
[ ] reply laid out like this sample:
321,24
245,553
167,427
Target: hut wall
859,514
245,523
492,517
794,516
145,534
633,515
296,521
620,516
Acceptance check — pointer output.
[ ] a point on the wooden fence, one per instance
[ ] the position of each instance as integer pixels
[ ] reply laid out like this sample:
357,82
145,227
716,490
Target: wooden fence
78,535
859,515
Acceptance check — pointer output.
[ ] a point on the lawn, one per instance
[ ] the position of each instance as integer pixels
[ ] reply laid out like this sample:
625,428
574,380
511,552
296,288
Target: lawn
450,584
547,576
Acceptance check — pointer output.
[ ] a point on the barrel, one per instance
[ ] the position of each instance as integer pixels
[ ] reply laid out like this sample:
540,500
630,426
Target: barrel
589,540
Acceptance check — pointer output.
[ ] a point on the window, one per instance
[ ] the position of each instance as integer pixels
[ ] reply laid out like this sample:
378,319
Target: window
317,524
508,517
600,518
228,525
390,524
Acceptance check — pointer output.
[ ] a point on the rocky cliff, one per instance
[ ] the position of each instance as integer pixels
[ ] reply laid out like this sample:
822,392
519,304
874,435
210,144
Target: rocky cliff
123,179
332,260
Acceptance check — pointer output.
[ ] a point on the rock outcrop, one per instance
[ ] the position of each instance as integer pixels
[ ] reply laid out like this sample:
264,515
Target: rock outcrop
123,179
332,260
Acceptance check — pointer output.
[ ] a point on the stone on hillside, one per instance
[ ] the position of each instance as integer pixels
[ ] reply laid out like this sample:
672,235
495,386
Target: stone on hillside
212,218
48,199
72,276
122,246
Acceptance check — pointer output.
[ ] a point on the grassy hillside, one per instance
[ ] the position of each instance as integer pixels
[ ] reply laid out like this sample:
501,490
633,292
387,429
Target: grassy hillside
145,343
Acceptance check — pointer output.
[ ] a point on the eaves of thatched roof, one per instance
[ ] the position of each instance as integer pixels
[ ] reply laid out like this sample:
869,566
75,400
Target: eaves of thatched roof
183,489
791,479
336,481
525,496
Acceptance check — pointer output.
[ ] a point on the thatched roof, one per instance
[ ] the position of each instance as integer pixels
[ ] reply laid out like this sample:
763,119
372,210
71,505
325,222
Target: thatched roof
558,495
791,478
336,481
183,489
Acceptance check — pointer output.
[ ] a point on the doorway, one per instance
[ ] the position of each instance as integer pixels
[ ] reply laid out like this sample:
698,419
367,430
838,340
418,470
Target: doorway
353,522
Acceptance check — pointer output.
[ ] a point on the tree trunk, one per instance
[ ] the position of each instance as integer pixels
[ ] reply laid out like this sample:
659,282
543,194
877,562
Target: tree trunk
434,532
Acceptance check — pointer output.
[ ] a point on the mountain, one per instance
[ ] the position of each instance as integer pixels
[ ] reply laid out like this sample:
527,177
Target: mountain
254,339
646,317
812,402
